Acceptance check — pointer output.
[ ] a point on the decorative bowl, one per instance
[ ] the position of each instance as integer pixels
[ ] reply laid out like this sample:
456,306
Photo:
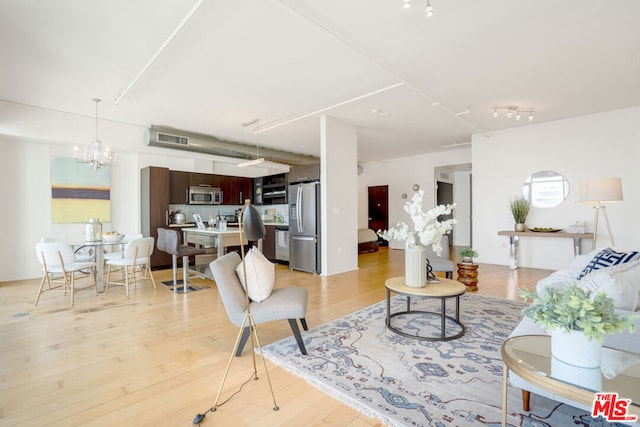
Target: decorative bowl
112,237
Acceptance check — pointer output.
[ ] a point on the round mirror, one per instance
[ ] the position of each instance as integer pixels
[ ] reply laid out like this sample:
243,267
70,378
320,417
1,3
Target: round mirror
546,189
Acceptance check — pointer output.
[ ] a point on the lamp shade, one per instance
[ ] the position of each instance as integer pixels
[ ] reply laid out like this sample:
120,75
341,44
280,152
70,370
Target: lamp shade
600,190
252,225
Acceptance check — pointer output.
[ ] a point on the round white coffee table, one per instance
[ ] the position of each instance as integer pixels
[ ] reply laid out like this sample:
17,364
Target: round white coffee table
445,289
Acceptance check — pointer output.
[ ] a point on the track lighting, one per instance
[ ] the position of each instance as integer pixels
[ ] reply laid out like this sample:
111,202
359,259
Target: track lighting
429,10
511,110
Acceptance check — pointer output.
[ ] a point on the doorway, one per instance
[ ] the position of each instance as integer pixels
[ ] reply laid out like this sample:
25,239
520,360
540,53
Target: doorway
444,196
456,180
378,200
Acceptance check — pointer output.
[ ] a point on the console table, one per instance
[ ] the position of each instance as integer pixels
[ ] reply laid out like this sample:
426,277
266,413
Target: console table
514,238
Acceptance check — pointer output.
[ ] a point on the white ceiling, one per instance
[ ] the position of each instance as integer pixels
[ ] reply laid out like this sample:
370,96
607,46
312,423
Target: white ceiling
288,62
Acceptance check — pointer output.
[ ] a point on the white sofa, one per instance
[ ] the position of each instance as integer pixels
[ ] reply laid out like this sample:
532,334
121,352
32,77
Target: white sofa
622,282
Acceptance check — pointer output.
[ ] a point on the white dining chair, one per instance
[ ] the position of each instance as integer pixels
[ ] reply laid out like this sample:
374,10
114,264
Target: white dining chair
59,265
80,255
119,253
137,254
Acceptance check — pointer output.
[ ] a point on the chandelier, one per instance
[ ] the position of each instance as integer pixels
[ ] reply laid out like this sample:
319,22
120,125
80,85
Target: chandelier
512,111
93,154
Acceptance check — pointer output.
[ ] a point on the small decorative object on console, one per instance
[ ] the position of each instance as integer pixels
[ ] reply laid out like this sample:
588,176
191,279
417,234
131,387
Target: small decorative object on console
576,228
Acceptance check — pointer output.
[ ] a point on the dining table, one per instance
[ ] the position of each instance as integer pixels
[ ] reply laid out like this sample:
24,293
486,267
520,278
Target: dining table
96,250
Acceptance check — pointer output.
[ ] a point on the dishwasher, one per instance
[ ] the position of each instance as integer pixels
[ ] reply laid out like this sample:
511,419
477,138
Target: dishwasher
282,243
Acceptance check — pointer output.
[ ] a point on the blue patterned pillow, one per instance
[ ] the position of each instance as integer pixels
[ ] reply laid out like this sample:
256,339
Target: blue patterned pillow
608,258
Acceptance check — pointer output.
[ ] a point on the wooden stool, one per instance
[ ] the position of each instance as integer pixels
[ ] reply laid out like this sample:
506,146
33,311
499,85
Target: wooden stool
468,275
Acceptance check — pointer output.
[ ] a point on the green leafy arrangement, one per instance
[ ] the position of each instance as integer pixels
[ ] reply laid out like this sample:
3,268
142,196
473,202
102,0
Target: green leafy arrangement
520,209
573,309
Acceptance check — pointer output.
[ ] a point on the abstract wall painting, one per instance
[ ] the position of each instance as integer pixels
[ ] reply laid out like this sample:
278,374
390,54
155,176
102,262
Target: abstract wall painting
78,192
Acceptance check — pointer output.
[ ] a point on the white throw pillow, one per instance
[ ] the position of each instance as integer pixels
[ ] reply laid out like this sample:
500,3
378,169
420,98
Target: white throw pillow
261,275
621,283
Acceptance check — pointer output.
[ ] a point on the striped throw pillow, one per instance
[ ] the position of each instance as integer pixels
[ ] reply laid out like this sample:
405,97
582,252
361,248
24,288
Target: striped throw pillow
608,258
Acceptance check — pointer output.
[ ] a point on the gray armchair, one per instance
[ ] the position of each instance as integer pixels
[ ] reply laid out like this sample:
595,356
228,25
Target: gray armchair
442,262
284,303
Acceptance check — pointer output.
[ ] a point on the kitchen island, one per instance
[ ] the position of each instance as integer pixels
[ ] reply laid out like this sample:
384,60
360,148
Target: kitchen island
211,238
215,241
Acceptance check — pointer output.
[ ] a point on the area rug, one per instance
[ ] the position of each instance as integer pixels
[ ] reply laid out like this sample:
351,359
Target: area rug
406,382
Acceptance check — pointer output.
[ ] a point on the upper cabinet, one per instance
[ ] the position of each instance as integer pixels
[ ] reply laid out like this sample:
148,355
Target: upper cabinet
178,187
205,180
303,173
234,189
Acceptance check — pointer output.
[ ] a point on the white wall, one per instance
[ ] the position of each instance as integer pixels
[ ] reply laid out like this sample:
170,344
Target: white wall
30,137
338,172
462,212
598,145
400,175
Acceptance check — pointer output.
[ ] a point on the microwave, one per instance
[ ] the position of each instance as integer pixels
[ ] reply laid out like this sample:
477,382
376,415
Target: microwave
205,196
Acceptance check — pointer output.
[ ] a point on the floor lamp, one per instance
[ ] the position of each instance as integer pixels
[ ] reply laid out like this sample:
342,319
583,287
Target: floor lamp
598,192
251,228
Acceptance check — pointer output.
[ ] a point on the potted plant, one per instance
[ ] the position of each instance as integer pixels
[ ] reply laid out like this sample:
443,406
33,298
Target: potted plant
520,210
467,254
576,320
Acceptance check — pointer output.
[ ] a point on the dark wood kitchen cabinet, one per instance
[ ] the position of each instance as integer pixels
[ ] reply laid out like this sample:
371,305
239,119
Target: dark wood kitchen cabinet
178,187
236,189
269,243
204,179
154,208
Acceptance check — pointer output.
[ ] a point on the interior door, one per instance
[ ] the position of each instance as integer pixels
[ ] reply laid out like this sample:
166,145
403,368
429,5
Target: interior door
379,207
444,196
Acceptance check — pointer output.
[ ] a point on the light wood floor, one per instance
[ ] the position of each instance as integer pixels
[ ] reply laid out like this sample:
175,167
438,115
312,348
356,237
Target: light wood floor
158,358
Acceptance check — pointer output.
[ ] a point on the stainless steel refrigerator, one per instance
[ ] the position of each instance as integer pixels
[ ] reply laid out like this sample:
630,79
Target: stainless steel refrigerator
304,227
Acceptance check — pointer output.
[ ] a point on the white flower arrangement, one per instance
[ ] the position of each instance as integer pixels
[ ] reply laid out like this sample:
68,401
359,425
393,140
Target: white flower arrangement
426,226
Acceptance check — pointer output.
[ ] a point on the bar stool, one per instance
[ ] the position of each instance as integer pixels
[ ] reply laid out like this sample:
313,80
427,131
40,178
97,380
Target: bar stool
169,242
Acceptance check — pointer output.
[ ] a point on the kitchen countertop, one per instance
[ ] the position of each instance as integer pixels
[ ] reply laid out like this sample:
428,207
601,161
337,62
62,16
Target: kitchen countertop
213,231
230,227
